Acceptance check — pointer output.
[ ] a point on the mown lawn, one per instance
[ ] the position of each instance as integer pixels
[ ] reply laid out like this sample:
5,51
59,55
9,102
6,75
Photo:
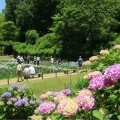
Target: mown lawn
5,57
49,84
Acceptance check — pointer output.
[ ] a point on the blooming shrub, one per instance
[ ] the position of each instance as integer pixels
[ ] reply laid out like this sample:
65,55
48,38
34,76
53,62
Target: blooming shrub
94,74
117,47
86,63
104,52
17,103
93,58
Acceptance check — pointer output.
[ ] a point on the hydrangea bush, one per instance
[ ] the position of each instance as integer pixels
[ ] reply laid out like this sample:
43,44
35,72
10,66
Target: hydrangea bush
100,100
17,103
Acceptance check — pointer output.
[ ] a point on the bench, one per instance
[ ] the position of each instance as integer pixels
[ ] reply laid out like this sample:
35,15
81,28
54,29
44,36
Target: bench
40,75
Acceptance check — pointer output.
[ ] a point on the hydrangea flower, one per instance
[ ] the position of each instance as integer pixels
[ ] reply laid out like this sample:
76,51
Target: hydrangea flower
117,47
104,52
66,91
59,97
1,103
46,107
9,102
93,58
94,74
97,83
103,111
67,107
44,96
12,99
112,74
18,104
87,102
85,92
35,117
38,102
14,87
6,95
86,63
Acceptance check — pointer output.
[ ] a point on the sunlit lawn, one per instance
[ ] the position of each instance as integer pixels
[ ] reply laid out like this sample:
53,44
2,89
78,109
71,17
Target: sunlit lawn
49,84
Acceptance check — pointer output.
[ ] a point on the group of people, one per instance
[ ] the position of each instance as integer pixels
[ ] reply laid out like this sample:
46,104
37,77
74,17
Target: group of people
28,71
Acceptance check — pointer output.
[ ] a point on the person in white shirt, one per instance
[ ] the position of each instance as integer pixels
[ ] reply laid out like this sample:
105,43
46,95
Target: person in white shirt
31,71
26,72
38,60
52,59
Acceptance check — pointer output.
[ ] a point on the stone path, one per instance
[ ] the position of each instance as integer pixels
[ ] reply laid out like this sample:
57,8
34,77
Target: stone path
51,75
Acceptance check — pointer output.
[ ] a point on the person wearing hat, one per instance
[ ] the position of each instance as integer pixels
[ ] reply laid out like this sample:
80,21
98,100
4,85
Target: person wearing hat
19,71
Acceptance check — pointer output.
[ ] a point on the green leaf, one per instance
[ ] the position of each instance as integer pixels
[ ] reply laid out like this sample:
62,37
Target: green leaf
118,117
97,114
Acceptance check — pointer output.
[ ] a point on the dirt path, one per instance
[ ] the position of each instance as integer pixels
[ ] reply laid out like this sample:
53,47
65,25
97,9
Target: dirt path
52,75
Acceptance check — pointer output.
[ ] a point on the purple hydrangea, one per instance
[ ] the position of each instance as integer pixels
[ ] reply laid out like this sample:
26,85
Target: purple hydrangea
13,100
38,102
46,107
24,86
66,91
97,83
14,87
6,95
112,74
18,103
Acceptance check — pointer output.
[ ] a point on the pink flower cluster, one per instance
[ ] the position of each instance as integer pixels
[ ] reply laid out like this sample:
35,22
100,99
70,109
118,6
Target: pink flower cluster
104,52
111,75
46,95
91,75
86,63
85,99
59,97
67,107
117,47
46,107
93,58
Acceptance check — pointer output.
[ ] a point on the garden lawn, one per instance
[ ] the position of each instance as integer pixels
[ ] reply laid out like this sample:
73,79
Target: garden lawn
49,84
5,57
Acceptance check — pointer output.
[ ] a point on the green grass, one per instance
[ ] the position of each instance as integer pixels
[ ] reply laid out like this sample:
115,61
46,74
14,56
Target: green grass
49,84
5,57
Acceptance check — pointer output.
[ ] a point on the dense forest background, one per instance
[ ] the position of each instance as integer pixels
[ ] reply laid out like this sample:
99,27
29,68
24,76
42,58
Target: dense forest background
65,28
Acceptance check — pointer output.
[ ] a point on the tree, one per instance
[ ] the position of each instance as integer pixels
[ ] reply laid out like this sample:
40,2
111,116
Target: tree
31,37
8,31
84,24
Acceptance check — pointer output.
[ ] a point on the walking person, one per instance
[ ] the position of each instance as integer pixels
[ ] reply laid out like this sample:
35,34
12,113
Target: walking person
38,60
59,61
80,62
19,72
35,60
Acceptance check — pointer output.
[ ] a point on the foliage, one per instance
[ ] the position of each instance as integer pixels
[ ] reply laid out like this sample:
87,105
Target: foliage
107,60
82,24
8,31
31,37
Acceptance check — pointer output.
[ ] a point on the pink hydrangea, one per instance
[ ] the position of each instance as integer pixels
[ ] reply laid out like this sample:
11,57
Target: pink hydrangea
67,107
104,52
85,92
94,74
46,95
117,47
93,58
59,97
97,83
66,91
86,63
87,103
46,107
112,74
